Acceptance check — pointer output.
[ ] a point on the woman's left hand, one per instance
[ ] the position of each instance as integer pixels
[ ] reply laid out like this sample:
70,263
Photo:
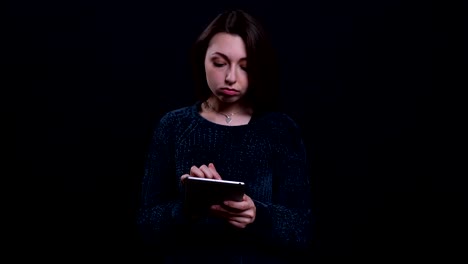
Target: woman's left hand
239,214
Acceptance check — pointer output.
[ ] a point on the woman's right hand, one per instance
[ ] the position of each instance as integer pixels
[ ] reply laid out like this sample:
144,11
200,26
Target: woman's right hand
203,172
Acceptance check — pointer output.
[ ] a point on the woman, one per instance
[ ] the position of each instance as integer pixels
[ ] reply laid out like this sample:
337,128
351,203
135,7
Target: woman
233,132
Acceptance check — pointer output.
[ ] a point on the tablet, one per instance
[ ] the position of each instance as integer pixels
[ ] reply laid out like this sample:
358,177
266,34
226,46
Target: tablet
201,193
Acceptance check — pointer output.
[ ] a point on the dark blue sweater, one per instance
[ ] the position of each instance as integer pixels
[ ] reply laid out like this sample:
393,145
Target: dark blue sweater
267,154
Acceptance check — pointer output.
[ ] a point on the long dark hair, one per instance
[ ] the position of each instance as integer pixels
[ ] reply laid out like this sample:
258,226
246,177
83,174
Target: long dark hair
262,66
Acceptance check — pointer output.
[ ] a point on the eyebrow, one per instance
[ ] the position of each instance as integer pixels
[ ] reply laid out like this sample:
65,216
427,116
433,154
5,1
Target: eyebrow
226,57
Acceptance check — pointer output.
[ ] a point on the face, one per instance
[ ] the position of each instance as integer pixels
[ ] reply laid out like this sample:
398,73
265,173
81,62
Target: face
225,67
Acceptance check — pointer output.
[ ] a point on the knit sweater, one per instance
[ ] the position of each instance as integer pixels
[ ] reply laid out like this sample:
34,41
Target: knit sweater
268,154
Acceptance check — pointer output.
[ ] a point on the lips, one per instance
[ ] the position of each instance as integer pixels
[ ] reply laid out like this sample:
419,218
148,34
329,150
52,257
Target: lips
229,91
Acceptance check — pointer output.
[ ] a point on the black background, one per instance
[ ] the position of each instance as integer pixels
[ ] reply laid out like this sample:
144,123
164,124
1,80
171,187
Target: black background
362,79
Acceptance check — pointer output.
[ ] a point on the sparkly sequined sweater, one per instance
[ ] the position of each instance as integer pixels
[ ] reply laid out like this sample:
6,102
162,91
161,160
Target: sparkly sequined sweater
268,154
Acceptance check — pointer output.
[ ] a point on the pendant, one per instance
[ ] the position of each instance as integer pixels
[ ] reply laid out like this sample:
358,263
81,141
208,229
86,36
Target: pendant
228,119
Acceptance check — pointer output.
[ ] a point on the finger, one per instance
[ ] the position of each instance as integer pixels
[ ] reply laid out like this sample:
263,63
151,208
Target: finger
216,211
214,171
237,224
233,206
244,205
206,171
183,177
219,208
230,212
194,171
240,220
220,211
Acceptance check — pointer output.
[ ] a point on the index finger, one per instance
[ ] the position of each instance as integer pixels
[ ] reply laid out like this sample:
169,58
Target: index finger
194,171
214,171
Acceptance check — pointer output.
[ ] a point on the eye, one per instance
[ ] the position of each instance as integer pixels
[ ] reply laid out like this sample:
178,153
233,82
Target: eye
218,64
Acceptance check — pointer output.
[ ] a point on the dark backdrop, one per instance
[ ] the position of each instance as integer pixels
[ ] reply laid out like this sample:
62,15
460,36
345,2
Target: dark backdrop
361,78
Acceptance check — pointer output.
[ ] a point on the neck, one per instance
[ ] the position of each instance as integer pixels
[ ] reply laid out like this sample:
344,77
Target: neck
225,108
228,111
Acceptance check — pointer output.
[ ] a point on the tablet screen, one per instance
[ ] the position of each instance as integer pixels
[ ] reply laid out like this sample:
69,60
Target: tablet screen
200,193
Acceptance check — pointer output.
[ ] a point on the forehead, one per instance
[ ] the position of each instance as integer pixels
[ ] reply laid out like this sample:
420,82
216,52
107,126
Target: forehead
228,44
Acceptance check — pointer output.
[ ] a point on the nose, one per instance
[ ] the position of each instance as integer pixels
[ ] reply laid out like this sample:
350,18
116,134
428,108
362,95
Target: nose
231,76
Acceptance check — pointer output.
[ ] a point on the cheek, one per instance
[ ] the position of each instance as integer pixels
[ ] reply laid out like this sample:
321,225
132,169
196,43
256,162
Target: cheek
243,77
213,75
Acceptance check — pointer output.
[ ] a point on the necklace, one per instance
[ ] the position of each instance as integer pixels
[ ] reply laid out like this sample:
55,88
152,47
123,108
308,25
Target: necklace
228,117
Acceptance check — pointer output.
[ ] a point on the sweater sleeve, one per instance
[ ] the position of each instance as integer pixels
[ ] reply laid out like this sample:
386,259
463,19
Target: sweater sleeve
160,209
287,218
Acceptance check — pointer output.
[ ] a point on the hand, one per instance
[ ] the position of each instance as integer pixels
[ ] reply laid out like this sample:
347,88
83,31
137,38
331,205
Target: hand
203,172
239,214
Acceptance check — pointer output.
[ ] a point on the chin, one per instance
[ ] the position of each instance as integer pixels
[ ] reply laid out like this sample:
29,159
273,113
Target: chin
229,100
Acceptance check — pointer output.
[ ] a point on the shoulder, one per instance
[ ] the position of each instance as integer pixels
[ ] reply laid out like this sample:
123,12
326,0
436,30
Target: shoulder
178,115
278,121
279,126
282,131
182,112
173,121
